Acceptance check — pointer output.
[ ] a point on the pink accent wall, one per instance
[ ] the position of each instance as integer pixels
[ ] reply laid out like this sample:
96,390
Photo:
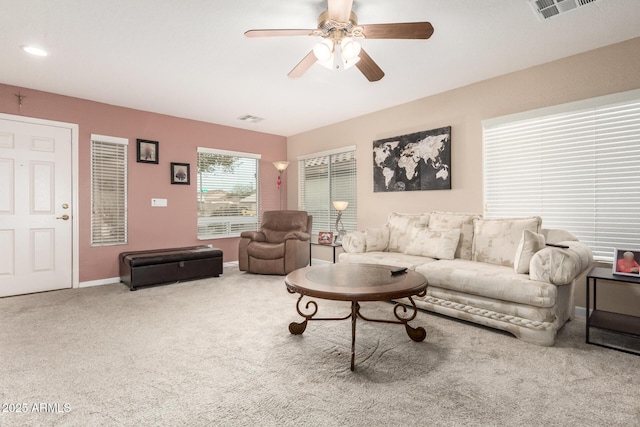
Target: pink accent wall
175,225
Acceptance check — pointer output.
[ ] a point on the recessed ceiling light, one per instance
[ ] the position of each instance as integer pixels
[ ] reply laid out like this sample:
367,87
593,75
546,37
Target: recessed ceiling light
33,50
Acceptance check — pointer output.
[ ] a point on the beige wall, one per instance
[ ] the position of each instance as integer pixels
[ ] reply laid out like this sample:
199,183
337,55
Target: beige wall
599,72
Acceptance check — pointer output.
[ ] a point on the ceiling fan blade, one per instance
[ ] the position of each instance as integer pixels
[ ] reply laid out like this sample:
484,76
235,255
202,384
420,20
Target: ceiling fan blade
340,10
303,66
409,30
368,67
278,33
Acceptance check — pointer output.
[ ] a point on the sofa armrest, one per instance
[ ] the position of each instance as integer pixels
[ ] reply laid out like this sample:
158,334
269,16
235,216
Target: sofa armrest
355,242
297,235
257,236
560,266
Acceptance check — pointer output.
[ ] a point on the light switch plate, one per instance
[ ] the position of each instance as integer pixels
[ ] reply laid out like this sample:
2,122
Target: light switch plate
159,203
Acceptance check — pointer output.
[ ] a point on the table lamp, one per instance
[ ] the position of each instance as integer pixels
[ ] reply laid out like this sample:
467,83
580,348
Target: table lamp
340,207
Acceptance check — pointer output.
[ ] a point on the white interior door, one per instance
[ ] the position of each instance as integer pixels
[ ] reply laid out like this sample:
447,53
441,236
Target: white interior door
35,208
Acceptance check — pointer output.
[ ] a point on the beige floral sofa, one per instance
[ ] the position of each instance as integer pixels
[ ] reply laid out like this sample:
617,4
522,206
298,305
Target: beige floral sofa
494,272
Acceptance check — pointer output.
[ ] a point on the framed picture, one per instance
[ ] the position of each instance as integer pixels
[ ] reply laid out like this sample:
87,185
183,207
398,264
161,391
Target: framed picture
414,162
325,237
147,151
626,262
180,173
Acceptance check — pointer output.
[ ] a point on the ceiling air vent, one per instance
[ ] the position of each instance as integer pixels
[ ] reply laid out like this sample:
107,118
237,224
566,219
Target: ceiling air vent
250,119
545,9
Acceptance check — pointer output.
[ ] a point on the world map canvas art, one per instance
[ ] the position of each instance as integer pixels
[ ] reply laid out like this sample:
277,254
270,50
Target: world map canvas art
413,162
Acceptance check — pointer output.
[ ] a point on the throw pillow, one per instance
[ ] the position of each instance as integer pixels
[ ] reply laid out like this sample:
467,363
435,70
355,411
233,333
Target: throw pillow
400,226
456,221
377,239
530,243
495,240
433,244
354,242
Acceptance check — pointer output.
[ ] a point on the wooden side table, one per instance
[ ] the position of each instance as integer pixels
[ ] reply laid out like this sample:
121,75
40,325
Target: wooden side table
609,321
333,246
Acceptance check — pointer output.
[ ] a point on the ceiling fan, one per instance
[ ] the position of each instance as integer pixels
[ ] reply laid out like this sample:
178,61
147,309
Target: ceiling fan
340,49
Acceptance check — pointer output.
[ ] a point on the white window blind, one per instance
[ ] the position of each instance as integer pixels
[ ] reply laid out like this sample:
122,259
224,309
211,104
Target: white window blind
228,193
108,190
578,169
324,178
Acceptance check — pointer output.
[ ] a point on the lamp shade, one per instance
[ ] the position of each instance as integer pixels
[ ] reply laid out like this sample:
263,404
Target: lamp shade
281,165
350,49
340,206
323,50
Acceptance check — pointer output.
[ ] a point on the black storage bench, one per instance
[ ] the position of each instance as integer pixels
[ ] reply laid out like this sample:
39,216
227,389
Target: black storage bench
144,268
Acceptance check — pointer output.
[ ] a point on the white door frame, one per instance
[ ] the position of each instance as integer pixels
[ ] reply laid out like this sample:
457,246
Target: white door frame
75,238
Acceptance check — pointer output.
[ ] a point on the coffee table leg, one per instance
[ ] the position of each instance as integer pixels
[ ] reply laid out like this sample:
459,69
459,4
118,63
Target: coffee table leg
355,308
416,334
400,312
312,308
298,328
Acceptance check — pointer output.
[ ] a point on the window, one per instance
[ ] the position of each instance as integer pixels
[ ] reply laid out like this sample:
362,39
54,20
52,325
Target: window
108,190
228,196
324,178
575,165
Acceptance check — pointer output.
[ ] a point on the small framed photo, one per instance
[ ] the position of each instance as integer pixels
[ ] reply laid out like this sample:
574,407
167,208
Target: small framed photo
180,173
325,237
147,151
626,262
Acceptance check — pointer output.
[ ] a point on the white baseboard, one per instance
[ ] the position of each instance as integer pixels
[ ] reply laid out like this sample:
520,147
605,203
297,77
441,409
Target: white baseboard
113,280
581,311
100,282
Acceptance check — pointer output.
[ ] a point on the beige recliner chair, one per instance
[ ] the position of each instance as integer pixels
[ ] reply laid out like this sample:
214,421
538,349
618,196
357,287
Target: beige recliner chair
281,245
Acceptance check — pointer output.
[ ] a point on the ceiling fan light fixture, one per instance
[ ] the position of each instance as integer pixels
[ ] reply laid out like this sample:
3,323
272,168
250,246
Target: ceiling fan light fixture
340,48
329,63
350,63
323,51
350,49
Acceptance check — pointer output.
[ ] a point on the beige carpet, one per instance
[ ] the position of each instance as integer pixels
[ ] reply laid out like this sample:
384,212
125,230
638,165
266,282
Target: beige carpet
218,352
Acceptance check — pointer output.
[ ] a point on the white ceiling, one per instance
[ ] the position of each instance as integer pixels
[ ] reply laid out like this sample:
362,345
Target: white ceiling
189,58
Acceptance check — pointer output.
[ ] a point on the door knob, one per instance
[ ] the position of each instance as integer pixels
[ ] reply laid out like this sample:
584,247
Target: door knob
63,217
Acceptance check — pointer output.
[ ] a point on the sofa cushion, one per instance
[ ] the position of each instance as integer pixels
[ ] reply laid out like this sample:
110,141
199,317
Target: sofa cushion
489,281
433,244
560,266
377,239
264,250
530,243
400,226
456,221
495,240
355,242
385,258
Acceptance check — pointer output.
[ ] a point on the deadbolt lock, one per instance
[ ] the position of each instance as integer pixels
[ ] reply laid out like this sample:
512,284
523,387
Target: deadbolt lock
65,206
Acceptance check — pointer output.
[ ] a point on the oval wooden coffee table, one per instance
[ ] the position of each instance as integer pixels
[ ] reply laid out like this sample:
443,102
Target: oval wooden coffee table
356,283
